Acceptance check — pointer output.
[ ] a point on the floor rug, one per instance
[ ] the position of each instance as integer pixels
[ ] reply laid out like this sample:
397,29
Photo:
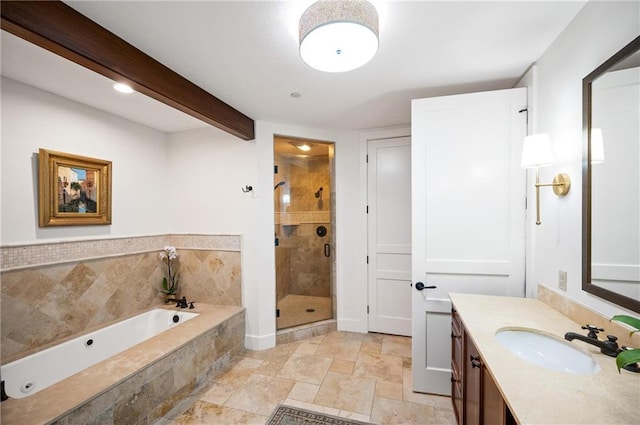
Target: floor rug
287,415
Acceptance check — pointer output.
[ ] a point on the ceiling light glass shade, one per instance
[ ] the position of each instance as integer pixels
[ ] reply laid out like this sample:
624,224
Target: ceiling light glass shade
339,36
537,151
597,146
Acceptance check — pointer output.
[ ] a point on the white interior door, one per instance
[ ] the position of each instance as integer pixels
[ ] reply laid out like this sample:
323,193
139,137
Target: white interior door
468,214
389,230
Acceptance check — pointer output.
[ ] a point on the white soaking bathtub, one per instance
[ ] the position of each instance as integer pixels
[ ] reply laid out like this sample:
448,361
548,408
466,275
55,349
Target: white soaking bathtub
31,374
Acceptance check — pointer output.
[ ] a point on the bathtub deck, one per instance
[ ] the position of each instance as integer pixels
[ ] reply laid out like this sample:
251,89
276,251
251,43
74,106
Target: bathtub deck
94,383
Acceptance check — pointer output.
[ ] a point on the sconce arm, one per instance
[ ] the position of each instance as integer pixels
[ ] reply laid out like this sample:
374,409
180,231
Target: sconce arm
561,185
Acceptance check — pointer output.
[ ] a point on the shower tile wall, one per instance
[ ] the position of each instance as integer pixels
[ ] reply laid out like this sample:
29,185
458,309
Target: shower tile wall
302,268
42,304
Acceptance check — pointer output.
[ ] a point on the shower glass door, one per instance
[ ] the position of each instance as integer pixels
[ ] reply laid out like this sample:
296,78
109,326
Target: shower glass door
304,231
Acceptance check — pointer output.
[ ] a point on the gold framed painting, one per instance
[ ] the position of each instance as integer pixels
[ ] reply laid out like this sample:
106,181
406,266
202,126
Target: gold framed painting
73,190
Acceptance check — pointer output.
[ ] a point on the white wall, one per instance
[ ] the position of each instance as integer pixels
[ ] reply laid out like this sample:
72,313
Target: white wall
213,169
597,32
193,180
207,169
33,119
259,278
187,182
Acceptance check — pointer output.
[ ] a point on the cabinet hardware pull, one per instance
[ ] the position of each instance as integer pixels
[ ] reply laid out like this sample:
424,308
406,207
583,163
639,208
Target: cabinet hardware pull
475,361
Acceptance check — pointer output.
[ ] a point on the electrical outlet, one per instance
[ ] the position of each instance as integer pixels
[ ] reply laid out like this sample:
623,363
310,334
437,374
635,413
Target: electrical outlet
562,280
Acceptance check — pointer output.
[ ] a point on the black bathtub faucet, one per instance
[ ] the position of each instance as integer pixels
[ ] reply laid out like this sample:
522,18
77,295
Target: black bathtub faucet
181,302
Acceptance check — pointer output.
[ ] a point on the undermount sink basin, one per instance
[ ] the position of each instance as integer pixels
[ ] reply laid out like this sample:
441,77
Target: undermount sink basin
546,351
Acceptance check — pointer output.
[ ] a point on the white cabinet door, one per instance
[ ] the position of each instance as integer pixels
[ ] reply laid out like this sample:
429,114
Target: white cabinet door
468,214
389,231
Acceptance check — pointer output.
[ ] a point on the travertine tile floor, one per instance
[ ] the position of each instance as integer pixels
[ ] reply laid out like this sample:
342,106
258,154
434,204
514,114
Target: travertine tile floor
361,376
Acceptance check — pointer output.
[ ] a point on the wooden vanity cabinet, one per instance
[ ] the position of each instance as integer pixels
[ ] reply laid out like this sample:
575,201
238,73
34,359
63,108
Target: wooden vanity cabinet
475,395
494,409
457,353
472,378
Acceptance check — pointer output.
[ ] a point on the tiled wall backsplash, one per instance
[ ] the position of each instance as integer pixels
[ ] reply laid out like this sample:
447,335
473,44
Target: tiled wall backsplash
24,256
584,315
52,291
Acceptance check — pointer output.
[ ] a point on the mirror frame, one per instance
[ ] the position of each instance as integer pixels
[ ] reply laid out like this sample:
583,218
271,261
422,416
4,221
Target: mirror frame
587,286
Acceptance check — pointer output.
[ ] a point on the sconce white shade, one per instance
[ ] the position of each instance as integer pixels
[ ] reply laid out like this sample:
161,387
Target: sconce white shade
597,146
338,36
537,151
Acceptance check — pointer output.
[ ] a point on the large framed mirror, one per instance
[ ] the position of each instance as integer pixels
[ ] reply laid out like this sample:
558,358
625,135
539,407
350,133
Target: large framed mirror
611,179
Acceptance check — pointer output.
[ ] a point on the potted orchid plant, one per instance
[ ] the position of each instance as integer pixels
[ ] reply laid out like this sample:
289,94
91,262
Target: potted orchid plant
628,357
168,256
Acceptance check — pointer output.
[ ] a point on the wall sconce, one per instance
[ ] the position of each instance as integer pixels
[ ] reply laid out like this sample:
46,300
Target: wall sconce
537,153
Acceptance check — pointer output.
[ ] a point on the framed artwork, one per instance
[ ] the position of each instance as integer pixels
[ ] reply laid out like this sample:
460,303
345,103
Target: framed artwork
73,190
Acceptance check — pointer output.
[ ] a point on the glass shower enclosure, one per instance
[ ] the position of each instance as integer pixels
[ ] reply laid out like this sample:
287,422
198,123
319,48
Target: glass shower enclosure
304,238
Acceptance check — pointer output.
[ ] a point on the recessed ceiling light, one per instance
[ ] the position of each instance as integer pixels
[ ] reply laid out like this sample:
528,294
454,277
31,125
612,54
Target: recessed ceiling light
122,88
303,146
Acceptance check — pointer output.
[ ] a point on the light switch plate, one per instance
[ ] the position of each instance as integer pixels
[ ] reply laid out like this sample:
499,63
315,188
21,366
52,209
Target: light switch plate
562,280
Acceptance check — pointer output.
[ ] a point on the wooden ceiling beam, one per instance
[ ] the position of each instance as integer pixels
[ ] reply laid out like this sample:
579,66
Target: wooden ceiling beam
60,29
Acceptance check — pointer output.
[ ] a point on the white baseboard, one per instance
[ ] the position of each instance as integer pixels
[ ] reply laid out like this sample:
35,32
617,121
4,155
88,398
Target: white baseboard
352,325
252,342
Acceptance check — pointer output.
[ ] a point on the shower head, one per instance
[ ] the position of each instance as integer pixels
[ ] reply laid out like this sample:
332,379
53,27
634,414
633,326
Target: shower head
278,185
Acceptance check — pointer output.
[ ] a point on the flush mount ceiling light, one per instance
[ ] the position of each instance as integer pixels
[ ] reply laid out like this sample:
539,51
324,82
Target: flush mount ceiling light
339,36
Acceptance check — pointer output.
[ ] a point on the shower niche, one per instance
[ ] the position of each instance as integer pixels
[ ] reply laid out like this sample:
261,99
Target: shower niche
304,238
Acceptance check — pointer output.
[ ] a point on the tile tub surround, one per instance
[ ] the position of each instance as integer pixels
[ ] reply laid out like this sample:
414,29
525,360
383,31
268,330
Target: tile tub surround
43,304
536,395
142,383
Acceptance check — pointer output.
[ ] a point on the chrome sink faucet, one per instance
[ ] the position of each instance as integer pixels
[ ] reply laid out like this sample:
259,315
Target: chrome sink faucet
608,347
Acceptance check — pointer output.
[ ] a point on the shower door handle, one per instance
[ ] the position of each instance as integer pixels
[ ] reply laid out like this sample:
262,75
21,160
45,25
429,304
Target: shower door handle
327,250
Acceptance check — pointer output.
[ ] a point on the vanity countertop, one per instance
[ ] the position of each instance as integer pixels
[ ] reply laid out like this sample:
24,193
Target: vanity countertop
536,395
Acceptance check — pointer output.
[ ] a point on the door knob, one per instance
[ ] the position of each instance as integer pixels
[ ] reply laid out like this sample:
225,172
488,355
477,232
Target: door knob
420,286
